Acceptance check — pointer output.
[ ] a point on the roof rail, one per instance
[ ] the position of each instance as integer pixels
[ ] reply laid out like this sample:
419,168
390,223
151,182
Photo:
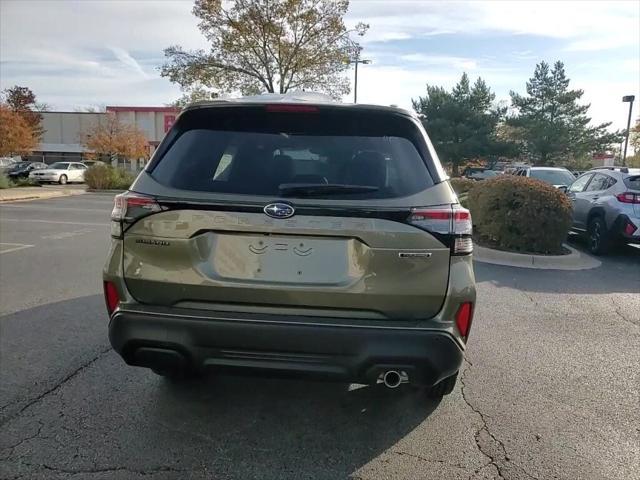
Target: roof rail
289,97
207,102
619,169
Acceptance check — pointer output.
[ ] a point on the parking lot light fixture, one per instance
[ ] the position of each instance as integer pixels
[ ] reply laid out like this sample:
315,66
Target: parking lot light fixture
355,61
627,99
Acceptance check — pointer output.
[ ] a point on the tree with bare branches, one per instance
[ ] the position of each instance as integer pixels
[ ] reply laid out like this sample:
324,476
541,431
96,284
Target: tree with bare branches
271,46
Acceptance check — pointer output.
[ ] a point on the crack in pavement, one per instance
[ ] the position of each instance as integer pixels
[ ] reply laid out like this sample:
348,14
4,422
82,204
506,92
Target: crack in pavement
624,317
429,460
146,471
55,387
98,470
13,447
480,469
493,459
484,427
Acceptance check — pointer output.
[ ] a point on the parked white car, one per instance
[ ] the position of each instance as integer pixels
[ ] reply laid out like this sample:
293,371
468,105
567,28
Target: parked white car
6,163
558,177
60,172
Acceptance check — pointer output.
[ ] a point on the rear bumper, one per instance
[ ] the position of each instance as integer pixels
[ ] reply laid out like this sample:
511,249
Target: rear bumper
619,226
291,345
45,178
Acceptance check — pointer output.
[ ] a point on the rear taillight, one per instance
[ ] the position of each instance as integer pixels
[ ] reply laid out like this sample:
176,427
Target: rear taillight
111,297
464,316
628,197
129,207
451,222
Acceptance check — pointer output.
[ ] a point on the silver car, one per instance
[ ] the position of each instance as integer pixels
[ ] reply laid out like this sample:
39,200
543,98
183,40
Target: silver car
606,206
60,172
556,176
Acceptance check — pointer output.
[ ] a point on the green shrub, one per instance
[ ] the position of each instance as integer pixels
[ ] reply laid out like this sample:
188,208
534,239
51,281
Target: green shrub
122,179
23,182
520,214
98,177
462,185
4,181
106,177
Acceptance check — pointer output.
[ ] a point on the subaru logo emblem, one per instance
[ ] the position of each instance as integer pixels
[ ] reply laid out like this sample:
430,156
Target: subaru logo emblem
279,210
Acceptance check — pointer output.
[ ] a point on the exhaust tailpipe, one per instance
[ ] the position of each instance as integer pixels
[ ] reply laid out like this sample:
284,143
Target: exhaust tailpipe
392,379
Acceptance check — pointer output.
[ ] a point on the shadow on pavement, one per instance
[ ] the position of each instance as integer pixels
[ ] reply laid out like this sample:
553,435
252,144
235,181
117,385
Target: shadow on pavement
291,428
621,254
619,273
73,408
39,346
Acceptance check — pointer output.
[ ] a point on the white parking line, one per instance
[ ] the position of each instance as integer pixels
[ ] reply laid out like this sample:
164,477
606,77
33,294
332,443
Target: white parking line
14,248
63,235
27,220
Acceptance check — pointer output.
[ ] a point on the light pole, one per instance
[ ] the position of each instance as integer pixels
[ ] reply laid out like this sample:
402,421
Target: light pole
356,60
626,99
355,49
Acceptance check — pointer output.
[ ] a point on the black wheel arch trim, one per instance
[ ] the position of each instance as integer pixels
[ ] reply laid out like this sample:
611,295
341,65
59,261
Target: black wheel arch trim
595,212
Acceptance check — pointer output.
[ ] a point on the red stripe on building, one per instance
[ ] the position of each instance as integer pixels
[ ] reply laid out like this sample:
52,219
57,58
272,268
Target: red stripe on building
144,109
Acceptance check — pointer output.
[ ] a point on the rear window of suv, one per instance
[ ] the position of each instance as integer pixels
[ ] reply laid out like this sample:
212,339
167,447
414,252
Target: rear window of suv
554,177
253,151
633,182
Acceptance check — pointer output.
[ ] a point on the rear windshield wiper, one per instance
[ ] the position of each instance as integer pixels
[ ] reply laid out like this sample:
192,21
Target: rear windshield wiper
308,189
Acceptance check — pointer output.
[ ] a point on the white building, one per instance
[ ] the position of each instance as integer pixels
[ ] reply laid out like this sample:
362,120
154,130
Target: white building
64,131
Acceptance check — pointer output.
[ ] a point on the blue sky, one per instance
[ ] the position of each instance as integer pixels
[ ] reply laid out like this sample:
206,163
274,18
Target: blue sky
76,54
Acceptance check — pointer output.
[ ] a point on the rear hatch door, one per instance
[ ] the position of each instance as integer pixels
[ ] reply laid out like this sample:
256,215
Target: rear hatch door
301,212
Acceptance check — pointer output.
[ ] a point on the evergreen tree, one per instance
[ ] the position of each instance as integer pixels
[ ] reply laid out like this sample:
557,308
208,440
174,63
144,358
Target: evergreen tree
553,127
461,123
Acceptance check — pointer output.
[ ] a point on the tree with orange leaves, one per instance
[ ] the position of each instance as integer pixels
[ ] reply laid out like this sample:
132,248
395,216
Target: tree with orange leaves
16,136
117,139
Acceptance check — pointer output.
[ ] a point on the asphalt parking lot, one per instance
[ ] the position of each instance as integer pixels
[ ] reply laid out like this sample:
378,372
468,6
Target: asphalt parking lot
550,389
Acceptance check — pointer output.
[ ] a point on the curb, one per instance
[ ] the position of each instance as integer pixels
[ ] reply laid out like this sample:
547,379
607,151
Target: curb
44,196
106,192
576,260
19,199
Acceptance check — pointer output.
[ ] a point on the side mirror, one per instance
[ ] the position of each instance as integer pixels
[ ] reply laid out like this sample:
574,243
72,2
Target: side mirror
563,188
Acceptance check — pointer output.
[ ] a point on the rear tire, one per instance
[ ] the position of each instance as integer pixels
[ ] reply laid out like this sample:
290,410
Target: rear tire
598,236
62,180
445,387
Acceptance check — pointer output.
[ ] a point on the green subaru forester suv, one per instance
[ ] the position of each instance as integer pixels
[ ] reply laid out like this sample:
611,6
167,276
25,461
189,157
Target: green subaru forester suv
293,234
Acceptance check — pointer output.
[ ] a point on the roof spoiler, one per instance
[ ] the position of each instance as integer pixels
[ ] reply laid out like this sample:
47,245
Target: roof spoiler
619,169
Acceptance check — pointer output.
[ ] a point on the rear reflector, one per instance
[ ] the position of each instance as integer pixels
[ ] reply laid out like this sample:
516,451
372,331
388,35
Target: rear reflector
292,108
628,197
463,318
630,228
111,297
